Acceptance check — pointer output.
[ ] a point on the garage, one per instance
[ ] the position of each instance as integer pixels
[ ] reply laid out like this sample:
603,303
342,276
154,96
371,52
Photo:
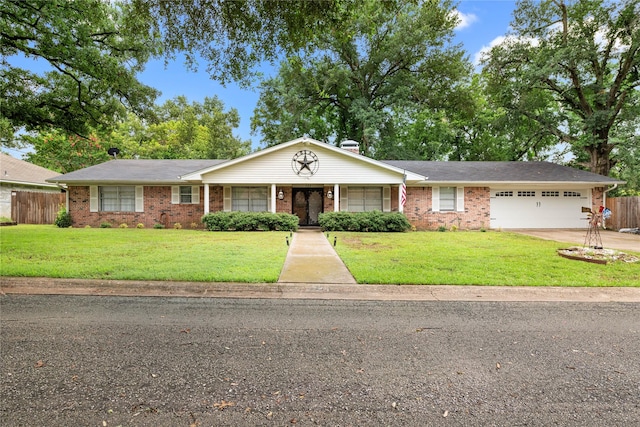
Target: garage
538,208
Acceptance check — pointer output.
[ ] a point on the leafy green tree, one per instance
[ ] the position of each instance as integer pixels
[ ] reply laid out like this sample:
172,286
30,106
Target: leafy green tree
234,36
573,69
63,152
365,79
92,49
183,131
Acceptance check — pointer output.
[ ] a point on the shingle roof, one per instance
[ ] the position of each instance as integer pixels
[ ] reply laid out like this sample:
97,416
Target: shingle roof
169,171
136,171
499,172
18,171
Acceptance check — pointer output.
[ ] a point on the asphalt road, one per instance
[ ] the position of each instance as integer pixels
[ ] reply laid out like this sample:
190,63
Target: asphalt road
127,361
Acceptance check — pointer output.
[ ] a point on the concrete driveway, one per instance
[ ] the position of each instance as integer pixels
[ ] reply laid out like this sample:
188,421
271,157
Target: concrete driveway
610,239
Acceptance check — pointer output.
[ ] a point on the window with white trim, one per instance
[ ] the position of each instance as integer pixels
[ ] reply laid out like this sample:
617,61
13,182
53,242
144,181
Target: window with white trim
550,194
504,194
249,199
117,198
572,194
526,194
185,194
448,198
365,199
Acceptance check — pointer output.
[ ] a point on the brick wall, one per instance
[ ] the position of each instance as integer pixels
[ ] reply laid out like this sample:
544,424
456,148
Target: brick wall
284,205
157,209
476,215
597,198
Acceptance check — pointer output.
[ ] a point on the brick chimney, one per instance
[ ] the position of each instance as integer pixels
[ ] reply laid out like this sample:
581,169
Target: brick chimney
350,145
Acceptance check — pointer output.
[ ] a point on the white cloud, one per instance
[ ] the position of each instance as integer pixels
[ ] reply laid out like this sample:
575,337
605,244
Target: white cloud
485,49
464,19
498,41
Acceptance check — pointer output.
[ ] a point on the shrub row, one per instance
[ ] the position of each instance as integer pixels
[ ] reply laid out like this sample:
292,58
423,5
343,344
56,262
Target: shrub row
374,221
250,221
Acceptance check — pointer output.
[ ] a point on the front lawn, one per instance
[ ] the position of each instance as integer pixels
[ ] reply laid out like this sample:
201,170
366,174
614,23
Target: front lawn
141,254
457,258
472,258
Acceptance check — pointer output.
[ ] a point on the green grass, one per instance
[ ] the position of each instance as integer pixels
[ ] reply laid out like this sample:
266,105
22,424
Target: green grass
460,258
141,254
472,258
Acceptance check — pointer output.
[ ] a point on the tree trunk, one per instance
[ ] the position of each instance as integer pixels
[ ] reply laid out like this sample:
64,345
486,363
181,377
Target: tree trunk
600,161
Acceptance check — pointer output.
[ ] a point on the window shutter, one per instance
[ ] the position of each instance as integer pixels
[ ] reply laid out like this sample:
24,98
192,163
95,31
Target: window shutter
344,198
175,194
227,199
386,199
195,195
139,198
460,197
435,199
93,198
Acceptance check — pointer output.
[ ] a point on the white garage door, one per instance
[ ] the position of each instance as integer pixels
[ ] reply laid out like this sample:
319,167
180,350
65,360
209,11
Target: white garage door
528,208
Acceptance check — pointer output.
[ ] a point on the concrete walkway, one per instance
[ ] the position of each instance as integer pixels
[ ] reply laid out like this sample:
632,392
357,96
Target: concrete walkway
312,259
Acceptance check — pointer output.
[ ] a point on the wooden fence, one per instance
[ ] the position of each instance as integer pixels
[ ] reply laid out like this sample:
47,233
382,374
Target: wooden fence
29,207
625,212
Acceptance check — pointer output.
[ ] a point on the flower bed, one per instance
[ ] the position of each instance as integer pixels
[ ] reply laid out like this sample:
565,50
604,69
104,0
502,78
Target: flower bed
596,256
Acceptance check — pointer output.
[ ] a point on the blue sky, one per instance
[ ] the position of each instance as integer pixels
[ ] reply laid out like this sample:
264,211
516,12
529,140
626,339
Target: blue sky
483,23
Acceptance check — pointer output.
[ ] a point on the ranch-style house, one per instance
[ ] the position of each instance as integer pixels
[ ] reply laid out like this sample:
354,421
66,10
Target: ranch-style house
307,177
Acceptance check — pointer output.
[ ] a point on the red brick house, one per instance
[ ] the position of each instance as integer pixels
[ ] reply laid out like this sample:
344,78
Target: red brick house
306,177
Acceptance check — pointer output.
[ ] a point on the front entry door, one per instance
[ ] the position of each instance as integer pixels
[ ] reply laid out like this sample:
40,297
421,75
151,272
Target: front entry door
307,204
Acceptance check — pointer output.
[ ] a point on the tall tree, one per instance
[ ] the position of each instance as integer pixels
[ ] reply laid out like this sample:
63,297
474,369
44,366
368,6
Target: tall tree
573,68
92,50
63,152
234,36
362,80
184,131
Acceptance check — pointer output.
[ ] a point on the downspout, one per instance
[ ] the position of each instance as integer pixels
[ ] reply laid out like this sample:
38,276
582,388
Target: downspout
604,201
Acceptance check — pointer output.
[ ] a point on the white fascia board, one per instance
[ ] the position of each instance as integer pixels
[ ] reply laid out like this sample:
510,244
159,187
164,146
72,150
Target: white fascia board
28,183
503,184
120,182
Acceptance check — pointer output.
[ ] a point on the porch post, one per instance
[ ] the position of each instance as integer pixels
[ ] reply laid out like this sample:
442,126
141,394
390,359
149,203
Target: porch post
400,206
336,197
273,199
206,199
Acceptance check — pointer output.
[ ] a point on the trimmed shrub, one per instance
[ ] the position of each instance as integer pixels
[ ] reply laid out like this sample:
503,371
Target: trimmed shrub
63,218
105,225
158,226
373,221
124,225
250,221
140,225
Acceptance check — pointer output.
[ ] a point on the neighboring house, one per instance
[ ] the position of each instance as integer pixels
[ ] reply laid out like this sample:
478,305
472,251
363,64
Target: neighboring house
18,176
306,177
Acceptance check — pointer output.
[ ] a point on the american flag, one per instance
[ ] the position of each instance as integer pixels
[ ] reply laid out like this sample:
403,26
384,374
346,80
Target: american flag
403,191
